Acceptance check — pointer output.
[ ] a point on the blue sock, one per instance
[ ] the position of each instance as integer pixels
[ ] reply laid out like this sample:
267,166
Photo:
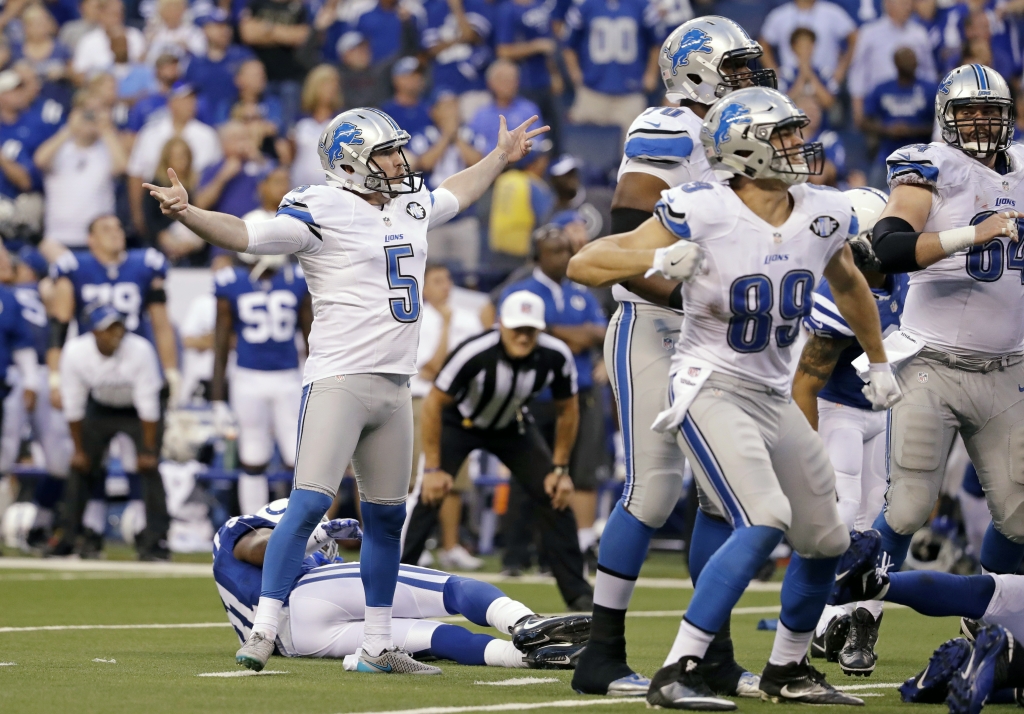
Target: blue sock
381,552
894,545
624,543
805,589
942,594
709,534
999,554
470,598
458,644
287,546
728,573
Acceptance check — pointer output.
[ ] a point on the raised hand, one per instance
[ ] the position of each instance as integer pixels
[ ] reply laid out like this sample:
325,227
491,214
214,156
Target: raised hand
173,199
517,143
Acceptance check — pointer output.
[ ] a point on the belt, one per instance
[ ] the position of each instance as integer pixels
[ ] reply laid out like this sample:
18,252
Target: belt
971,364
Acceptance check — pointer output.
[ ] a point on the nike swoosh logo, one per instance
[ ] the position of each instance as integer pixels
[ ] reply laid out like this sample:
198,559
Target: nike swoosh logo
677,262
840,576
923,675
377,666
652,123
787,692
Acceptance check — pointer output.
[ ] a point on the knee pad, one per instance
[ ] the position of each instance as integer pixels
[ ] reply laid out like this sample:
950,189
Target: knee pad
1008,518
909,503
916,438
774,513
833,543
653,502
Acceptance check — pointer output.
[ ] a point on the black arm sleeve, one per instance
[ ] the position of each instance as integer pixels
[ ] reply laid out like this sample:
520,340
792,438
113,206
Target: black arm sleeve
625,220
895,242
58,333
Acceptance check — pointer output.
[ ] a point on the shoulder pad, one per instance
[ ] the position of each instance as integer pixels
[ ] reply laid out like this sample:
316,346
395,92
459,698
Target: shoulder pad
683,205
663,136
305,202
928,165
225,276
834,204
154,259
1016,153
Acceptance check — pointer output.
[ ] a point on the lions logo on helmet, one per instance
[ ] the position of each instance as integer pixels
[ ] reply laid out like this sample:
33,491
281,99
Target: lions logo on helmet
349,145
695,40
731,115
345,133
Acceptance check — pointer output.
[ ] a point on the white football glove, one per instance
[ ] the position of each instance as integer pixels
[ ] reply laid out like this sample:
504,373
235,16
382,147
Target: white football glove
326,533
223,419
173,377
679,261
881,390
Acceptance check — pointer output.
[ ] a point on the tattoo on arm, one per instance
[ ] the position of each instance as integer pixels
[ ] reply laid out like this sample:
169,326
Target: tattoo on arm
820,356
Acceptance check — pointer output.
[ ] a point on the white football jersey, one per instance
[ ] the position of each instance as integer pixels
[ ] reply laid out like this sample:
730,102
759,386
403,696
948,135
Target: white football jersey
969,303
743,310
364,275
664,142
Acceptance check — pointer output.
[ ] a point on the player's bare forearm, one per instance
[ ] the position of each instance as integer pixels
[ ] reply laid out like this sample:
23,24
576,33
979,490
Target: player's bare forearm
221,348
579,337
616,258
217,229
252,547
163,336
856,303
817,361
430,426
150,430
567,422
75,427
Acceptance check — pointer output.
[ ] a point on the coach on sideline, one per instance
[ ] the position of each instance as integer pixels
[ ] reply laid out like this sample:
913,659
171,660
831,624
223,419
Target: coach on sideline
478,402
110,383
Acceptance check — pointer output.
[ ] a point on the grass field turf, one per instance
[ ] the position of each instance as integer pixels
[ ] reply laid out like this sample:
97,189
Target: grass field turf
156,669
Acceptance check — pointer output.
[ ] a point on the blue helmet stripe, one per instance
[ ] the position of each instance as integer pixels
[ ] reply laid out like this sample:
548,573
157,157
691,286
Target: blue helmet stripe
979,71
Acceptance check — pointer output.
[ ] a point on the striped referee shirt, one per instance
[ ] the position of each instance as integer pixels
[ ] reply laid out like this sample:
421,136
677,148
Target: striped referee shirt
489,387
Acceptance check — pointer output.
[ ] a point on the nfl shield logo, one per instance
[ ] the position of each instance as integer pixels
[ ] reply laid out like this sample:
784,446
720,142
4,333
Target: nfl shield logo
387,221
694,372
922,377
1006,185
667,343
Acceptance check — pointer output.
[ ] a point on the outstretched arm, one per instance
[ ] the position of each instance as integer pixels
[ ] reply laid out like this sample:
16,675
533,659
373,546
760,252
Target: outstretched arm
612,259
469,184
218,229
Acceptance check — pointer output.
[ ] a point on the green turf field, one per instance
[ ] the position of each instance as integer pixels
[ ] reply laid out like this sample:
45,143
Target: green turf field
156,670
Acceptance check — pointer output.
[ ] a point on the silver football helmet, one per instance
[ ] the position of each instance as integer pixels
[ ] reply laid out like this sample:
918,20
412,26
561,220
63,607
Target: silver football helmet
692,59
868,204
737,137
974,85
352,139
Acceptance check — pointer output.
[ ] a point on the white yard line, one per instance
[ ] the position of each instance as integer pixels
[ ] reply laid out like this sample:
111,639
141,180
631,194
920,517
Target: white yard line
875,685
241,673
61,628
515,707
518,681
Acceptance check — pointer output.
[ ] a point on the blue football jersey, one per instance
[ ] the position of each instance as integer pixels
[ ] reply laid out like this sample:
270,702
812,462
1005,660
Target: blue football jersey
265,315
238,583
844,386
612,39
459,67
123,286
14,330
27,295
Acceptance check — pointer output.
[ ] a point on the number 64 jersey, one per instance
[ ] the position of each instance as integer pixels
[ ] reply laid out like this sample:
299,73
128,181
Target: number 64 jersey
969,303
743,309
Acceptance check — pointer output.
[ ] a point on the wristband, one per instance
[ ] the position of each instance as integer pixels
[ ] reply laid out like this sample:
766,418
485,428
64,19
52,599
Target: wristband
561,470
54,380
957,239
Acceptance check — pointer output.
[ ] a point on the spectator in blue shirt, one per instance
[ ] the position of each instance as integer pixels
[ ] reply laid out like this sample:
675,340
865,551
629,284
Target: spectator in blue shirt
251,83
39,47
612,59
943,26
390,27
363,83
803,79
503,82
213,75
406,105
989,41
898,112
232,185
523,34
167,73
18,138
459,47
834,172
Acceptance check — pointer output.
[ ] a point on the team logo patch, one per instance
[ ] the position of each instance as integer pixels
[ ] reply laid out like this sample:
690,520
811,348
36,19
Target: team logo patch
922,377
416,211
894,306
668,344
387,221
731,115
695,40
578,302
824,226
344,134
944,87
694,372
1006,185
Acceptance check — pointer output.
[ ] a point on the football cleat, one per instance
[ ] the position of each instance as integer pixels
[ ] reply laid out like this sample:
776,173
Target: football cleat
533,631
828,644
635,685
722,673
969,628
857,578
681,686
393,661
602,669
556,655
800,682
858,656
980,675
932,685
255,652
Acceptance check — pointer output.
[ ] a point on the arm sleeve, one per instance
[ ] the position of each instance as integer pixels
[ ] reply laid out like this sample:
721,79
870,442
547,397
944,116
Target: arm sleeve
443,207
147,382
285,233
74,392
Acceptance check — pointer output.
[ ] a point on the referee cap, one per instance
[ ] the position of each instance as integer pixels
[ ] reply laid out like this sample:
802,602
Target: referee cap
523,309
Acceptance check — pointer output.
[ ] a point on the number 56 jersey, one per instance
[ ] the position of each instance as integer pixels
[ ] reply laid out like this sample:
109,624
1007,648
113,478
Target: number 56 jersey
969,303
743,309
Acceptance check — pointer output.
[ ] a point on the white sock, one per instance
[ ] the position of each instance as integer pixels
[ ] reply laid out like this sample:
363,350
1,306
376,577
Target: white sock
505,612
267,613
253,492
789,646
872,606
691,641
501,653
830,612
377,631
95,515
587,538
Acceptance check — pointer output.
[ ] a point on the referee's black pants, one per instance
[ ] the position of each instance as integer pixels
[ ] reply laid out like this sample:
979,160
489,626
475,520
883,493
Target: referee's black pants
100,425
529,459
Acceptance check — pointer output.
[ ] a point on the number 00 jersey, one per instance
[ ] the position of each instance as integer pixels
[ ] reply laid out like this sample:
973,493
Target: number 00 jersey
743,311
265,315
969,303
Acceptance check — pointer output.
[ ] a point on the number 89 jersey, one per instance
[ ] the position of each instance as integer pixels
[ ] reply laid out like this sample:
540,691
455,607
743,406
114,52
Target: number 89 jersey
264,314
743,310
968,303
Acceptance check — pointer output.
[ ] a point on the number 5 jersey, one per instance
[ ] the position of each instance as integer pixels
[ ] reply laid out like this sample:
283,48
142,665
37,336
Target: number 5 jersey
969,303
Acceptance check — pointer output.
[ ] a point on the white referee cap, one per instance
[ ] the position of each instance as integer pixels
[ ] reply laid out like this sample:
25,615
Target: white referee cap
523,309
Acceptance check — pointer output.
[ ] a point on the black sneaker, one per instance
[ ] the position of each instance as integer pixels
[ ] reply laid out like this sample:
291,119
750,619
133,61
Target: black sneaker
60,549
932,685
722,673
828,644
800,682
602,669
858,656
534,631
92,545
558,655
681,686
158,553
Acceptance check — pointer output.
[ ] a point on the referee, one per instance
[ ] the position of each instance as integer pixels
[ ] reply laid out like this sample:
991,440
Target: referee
478,402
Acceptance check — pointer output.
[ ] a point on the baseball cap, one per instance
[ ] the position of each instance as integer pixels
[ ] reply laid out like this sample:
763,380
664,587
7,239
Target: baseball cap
350,40
103,316
523,309
9,79
406,65
215,14
182,88
564,164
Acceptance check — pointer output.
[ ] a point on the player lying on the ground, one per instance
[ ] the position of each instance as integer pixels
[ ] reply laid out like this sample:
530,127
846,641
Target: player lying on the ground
324,616
963,674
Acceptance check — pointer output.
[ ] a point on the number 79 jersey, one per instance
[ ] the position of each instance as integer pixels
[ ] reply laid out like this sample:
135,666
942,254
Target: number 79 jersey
743,310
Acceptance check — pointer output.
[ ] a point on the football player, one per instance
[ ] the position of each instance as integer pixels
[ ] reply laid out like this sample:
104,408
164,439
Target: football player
361,242
952,223
828,391
701,61
326,607
750,254
263,304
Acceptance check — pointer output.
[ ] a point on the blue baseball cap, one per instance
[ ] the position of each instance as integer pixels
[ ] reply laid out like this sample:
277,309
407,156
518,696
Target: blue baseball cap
215,14
406,65
182,88
103,316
